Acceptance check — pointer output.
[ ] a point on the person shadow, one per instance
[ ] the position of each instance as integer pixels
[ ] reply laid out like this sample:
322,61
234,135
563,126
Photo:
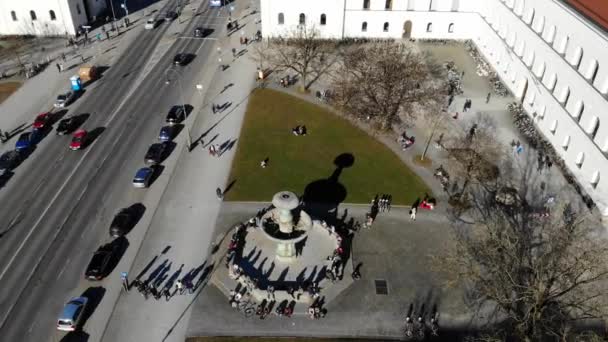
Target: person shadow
322,197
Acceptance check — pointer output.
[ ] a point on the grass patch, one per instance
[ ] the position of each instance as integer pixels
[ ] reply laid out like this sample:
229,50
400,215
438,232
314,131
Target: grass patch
296,161
7,88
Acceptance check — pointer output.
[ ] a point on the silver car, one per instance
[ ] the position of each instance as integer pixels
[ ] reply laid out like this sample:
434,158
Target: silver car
64,100
72,313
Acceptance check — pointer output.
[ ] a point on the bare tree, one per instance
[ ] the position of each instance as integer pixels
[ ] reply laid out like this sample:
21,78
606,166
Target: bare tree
303,52
379,83
542,266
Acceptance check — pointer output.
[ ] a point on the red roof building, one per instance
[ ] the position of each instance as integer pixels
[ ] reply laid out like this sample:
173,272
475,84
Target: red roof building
596,10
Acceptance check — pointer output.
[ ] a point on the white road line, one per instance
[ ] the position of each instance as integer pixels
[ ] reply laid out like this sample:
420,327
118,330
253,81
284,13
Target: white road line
63,268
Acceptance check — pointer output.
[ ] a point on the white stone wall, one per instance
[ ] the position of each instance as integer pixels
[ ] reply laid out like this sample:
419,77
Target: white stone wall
69,14
547,54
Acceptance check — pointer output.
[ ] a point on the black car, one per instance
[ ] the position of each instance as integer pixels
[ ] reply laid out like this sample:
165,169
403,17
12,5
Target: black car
66,126
155,153
101,261
171,15
176,115
181,59
8,161
122,222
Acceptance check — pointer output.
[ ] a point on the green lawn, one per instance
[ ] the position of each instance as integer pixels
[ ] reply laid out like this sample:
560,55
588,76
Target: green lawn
296,161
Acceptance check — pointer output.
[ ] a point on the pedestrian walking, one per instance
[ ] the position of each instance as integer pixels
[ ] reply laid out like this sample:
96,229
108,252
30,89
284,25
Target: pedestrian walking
450,100
488,97
219,193
58,67
63,57
213,108
83,59
233,53
179,287
413,213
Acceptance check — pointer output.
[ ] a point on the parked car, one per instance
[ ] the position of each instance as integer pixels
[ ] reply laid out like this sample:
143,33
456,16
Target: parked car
167,133
78,140
199,31
156,153
151,24
8,161
176,115
98,267
72,314
122,222
41,120
142,177
66,126
171,15
64,100
28,140
182,59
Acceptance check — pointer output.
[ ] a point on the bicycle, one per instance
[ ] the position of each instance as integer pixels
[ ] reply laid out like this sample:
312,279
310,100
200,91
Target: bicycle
246,307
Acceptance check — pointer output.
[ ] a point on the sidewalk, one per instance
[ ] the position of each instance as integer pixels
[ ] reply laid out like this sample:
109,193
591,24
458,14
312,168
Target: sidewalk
184,222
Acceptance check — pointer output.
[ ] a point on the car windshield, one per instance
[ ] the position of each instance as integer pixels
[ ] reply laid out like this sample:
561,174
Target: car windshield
62,97
64,322
151,21
77,139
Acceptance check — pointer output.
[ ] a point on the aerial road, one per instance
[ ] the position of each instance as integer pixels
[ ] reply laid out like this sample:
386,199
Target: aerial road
56,209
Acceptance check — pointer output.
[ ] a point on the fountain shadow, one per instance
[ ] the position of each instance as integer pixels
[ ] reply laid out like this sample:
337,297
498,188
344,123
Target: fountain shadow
322,197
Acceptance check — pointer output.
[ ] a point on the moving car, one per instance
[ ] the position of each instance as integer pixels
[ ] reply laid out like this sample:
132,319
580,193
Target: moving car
167,133
66,126
142,177
122,222
181,59
98,267
64,100
72,314
151,24
78,140
8,161
155,153
176,115
171,15
41,120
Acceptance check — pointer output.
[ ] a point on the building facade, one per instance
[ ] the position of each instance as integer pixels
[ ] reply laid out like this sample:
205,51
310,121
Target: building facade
550,54
47,17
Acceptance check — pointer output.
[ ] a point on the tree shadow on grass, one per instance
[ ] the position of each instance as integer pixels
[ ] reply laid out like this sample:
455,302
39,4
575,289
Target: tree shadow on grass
322,197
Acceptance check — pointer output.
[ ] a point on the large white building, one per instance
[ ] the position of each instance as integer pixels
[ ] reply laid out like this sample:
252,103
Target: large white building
552,55
47,17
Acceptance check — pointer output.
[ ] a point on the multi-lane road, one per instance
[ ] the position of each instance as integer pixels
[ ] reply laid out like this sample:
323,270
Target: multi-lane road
57,208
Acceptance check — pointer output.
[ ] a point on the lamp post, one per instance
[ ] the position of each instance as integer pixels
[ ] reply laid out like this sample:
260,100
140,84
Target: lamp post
181,90
113,13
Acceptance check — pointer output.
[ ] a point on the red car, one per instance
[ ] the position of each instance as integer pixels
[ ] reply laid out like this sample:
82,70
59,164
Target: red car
78,139
41,120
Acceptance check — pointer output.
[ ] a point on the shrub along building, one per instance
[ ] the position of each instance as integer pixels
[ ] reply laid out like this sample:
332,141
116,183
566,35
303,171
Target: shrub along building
549,53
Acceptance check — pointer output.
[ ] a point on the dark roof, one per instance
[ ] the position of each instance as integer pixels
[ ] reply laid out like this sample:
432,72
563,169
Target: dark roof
594,10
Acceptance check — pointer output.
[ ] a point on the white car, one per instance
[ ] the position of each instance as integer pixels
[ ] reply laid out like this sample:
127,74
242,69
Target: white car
151,24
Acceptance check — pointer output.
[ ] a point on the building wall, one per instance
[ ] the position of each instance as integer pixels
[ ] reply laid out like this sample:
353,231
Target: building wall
69,15
551,58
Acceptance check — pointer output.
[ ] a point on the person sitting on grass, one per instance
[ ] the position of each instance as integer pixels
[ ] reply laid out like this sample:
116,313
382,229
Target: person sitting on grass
264,163
295,130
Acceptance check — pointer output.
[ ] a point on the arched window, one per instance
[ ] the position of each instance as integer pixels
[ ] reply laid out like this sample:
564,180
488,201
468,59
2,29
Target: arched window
365,4
385,27
592,71
451,28
563,45
580,158
530,16
429,27
551,81
550,36
388,5
540,24
323,19
52,15
302,20
577,56
281,18
566,143
14,15
578,110
594,126
595,179
33,15
564,95
553,128
364,26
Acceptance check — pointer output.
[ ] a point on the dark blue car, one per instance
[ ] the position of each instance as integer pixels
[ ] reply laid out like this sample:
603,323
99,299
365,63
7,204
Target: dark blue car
166,133
28,140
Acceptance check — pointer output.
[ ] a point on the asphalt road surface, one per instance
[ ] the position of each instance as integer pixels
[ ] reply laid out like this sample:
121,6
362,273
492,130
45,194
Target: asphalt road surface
57,211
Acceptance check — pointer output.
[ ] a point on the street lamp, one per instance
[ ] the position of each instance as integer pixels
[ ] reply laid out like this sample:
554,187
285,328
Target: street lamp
113,13
181,90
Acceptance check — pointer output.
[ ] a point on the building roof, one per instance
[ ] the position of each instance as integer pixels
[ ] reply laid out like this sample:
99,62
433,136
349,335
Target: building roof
595,10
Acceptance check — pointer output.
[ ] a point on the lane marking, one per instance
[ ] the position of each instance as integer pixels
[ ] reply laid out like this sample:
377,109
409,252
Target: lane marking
65,265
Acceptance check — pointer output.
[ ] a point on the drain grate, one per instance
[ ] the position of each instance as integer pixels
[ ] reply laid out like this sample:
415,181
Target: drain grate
381,287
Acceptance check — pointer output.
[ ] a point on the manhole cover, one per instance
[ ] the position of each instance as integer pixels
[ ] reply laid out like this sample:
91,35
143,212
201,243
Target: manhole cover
381,287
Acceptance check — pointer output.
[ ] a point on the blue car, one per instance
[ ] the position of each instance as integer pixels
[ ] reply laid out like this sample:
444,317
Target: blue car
166,133
142,177
28,140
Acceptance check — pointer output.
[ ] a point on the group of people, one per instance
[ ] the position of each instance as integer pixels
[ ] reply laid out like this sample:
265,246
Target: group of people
467,105
383,202
286,81
215,150
299,130
336,267
316,310
405,141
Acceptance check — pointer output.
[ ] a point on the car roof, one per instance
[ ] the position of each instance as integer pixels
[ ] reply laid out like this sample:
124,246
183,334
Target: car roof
80,132
143,172
69,310
25,135
42,115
